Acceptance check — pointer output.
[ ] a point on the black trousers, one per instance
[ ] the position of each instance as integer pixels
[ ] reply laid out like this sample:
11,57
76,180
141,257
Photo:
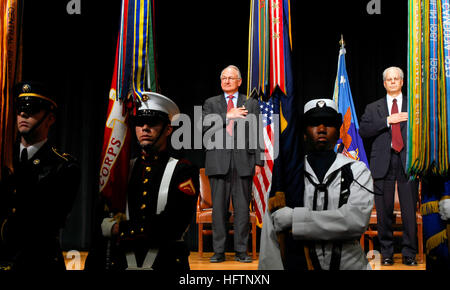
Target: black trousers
407,194
239,189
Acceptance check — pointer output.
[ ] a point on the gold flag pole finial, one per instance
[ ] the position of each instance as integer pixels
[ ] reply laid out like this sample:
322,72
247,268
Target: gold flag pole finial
341,42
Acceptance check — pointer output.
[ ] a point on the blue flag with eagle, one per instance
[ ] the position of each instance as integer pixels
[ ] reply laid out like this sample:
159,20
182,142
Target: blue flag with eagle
350,143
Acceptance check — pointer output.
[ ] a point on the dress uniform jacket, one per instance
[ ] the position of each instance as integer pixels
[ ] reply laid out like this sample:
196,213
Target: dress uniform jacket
35,202
346,223
145,229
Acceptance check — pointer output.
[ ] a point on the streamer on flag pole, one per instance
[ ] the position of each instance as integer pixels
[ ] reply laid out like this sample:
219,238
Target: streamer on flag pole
428,82
134,72
416,146
11,12
350,143
428,121
270,80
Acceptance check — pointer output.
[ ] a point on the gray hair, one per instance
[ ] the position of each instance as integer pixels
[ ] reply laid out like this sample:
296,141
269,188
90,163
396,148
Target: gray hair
232,67
399,70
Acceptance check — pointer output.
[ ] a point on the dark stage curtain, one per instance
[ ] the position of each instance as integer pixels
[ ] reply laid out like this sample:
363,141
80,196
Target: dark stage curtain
195,40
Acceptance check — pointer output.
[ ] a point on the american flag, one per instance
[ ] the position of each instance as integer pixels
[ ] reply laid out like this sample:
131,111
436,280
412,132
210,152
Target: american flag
270,74
262,182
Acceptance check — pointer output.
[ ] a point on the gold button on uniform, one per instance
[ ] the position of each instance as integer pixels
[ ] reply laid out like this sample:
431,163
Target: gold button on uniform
144,193
145,181
148,169
142,230
13,210
143,206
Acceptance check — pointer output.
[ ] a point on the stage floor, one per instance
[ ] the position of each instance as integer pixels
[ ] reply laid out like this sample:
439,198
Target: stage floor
202,263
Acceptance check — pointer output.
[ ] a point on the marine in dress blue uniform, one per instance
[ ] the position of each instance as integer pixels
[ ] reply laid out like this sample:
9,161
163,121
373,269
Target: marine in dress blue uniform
161,200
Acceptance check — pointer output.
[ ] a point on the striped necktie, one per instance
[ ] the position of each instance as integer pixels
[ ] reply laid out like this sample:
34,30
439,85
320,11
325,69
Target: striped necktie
230,105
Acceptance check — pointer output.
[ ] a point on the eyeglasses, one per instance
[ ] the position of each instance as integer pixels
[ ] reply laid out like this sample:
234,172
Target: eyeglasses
395,79
228,79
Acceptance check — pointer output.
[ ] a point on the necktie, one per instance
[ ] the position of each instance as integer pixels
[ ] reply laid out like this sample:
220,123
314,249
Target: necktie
24,155
230,105
397,140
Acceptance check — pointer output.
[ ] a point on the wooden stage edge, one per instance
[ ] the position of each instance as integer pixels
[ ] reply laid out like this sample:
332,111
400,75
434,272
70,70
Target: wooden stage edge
74,262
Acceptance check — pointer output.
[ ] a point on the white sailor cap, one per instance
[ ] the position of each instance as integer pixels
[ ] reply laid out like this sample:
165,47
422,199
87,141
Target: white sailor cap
157,105
320,105
324,110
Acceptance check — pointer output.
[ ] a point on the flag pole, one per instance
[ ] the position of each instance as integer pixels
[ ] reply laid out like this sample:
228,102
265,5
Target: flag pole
342,42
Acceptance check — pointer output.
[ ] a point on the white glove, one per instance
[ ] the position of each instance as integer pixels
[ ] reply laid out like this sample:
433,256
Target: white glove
444,209
282,219
107,225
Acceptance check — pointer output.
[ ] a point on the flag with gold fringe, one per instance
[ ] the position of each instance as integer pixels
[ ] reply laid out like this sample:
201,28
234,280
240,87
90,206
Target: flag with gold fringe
434,231
270,78
11,68
428,121
134,72
350,142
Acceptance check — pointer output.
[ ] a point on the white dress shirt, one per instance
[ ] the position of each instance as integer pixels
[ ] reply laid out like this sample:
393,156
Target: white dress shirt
235,99
31,150
389,100
235,95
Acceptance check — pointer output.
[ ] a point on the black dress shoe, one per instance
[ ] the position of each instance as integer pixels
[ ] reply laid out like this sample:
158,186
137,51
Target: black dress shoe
387,261
217,258
243,257
409,261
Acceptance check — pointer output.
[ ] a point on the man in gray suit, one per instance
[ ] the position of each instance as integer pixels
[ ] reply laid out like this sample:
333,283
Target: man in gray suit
232,156
385,122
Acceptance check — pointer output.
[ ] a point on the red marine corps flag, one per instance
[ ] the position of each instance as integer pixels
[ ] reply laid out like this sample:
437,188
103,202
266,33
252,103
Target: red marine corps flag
134,73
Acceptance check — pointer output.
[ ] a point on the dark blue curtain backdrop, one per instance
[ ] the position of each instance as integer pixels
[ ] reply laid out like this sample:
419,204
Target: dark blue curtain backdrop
195,40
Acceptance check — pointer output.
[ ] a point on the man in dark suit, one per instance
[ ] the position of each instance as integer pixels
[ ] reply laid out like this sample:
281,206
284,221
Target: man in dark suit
37,197
232,156
385,122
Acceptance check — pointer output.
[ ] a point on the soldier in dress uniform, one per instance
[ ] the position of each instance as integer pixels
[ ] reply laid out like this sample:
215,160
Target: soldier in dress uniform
161,200
37,197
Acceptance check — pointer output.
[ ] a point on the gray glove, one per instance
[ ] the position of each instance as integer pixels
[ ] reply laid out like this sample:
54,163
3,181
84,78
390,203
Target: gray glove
282,219
444,209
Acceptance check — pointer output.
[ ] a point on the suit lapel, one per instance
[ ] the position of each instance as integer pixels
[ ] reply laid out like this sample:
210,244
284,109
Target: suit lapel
241,100
404,104
404,109
222,103
382,108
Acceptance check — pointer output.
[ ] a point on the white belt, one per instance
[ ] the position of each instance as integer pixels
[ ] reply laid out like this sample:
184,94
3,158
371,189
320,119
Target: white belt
148,261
